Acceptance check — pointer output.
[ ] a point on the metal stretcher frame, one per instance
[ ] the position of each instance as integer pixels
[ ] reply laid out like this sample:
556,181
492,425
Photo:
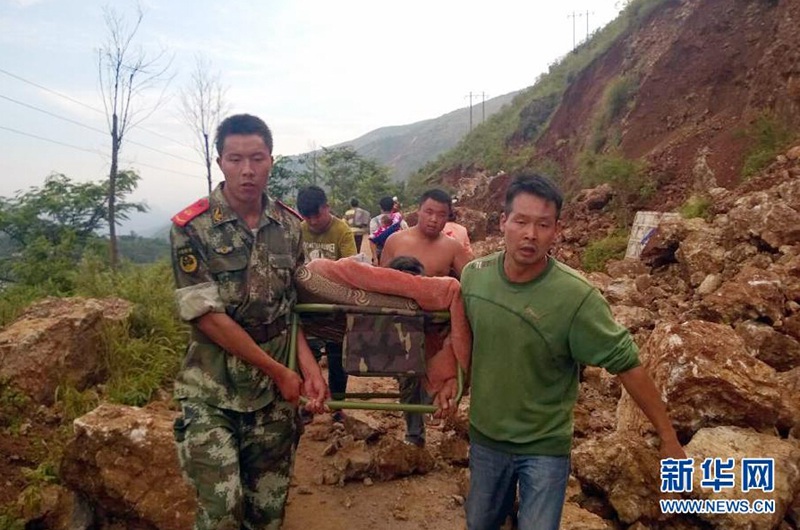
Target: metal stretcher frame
362,403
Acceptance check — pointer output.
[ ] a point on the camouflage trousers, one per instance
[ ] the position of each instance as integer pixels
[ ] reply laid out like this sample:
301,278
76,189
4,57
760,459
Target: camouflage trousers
239,462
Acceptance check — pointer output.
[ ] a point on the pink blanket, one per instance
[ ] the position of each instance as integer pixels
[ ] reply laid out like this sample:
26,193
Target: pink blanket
432,294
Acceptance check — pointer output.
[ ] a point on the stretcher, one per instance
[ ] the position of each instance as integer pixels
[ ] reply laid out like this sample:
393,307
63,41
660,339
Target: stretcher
361,329
378,314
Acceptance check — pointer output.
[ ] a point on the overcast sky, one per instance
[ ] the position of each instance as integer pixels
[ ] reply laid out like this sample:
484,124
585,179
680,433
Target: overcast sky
319,72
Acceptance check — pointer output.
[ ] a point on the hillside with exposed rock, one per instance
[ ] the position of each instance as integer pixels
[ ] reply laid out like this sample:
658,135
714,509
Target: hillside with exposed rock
694,90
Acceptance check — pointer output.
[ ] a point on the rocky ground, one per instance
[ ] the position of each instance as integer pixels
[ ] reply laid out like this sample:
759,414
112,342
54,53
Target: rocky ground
433,500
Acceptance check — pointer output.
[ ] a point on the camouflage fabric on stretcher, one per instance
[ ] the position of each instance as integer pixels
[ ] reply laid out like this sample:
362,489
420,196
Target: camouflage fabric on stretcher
384,345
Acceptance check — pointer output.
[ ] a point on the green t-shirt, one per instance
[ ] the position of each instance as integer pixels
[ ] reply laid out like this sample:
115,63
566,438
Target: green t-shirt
529,340
335,243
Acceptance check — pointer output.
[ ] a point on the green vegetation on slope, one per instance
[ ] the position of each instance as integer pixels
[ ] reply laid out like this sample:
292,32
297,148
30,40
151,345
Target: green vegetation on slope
504,141
768,136
598,252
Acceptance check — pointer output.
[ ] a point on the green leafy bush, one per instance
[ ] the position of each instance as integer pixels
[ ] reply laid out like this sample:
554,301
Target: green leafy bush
768,136
9,520
616,98
12,406
598,252
627,177
696,206
144,354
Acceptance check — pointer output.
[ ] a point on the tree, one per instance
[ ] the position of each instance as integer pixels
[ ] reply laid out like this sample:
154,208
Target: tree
282,179
125,74
346,174
288,176
202,107
48,228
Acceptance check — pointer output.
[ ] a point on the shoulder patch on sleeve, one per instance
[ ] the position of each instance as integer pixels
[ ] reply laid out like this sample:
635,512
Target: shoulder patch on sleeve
190,212
289,209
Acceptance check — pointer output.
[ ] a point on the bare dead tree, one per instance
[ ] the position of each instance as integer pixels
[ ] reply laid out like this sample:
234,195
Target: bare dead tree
125,73
202,106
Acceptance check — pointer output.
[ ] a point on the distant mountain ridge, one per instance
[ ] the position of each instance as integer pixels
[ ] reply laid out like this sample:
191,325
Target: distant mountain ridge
406,148
402,148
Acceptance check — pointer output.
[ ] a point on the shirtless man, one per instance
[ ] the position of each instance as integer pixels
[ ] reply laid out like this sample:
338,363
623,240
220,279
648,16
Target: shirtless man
439,254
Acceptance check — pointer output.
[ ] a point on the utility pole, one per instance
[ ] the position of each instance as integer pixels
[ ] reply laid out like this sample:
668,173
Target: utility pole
587,23
470,111
574,16
474,95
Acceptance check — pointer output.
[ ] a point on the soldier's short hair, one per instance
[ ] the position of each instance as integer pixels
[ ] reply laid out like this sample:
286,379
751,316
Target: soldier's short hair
244,124
310,199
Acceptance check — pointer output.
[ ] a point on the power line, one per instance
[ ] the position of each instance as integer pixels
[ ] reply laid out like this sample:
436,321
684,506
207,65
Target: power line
95,129
81,103
96,152
31,135
59,94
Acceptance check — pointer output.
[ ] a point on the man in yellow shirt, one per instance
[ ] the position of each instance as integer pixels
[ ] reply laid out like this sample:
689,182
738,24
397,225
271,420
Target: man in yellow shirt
325,236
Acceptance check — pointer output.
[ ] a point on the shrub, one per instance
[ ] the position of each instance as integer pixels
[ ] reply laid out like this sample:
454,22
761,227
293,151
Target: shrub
696,206
144,354
616,98
768,137
598,252
9,520
13,404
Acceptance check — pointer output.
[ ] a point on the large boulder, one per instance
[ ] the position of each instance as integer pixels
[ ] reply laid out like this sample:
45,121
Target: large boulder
754,294
664,241
626,267
625,469
766,344
766,218
595,198
737,443
633,317
58,341
707,378
700,253
123,459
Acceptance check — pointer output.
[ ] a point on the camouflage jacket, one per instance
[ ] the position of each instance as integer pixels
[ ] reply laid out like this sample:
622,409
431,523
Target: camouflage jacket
221,265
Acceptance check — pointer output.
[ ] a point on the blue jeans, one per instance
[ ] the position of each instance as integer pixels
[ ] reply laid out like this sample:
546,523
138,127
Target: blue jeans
493,485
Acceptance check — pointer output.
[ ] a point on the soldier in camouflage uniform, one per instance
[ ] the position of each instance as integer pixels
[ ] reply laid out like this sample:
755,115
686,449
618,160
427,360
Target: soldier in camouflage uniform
234,255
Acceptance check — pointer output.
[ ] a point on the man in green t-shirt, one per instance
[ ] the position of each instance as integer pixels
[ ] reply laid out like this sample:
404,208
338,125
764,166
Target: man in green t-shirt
534,322
325,236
